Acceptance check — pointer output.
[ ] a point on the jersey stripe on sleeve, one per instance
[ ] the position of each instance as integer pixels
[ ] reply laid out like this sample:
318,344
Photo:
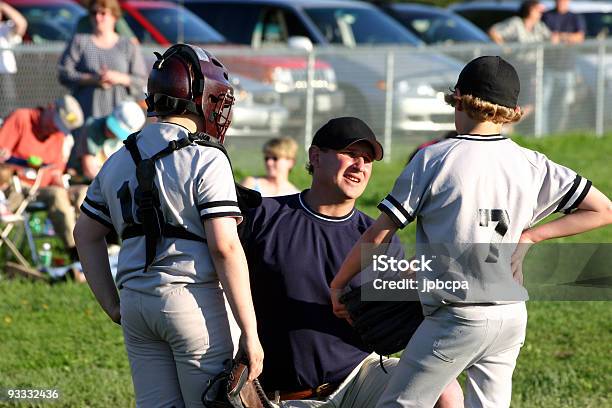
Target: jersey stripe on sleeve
219,209
575,195
96,214
395,211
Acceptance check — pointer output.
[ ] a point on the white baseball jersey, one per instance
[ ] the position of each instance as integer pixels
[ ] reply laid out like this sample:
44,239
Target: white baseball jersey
195,183
471,190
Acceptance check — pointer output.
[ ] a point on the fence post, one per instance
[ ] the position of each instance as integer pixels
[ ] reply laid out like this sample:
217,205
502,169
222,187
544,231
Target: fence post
539,92
389,84
601,89
309,100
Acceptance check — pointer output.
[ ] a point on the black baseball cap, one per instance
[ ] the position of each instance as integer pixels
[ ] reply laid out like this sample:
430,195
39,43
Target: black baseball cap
492,79
342,132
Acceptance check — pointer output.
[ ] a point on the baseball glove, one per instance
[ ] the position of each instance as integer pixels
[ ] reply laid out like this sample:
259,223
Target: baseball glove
234,390
384,326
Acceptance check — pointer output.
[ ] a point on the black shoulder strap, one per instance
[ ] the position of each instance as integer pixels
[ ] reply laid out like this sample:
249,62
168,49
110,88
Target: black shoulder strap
130,145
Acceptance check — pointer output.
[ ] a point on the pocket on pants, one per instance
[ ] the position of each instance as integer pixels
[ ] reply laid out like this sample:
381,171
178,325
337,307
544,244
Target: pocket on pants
457,338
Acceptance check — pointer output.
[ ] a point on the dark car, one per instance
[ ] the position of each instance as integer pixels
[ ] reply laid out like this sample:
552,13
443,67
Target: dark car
435,25
165,23
334,27
49,20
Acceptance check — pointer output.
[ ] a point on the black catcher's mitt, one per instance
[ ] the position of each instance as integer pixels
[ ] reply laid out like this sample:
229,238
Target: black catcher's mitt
384,326
234,389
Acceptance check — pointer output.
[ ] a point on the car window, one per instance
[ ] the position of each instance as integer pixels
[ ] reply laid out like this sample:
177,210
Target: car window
237,24
359,26
51,22
439,28
276,25
181,25
598,24
484,19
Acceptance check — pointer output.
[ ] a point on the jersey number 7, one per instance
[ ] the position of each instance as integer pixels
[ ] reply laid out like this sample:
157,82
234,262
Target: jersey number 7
485,216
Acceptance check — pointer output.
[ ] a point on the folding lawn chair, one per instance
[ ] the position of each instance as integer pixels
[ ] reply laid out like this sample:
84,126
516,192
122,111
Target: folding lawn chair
22,215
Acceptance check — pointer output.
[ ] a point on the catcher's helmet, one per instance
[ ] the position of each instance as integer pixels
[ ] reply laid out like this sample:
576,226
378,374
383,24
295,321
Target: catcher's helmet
189,79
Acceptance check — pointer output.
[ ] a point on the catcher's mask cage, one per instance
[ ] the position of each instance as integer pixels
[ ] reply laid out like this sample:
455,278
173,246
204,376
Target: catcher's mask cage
189,79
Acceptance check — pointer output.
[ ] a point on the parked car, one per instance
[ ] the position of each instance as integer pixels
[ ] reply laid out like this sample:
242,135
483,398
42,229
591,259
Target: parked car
48,20
164,23
435,25
421,78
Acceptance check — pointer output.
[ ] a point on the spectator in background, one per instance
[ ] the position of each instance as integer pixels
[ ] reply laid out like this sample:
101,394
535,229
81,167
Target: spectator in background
99,138
566,29
102,69
40,133
527,27
85,26
12,28
279,159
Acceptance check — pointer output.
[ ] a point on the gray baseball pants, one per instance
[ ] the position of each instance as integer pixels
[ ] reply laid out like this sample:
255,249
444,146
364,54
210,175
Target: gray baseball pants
175,343
483,340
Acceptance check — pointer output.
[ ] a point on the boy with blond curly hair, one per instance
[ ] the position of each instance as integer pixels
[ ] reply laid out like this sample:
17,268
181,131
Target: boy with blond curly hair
463,191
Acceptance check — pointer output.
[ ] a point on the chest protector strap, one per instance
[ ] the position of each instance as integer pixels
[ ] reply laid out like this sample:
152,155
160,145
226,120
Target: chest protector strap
153,225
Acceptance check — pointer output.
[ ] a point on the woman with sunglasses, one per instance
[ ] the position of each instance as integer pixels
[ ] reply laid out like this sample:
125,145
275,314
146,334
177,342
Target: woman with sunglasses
279,159
102,69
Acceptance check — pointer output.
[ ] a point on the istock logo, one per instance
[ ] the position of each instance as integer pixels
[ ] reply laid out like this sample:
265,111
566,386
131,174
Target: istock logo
384,263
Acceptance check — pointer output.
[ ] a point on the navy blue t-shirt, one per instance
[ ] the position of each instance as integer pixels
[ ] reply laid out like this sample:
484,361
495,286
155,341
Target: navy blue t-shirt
564,23
293,254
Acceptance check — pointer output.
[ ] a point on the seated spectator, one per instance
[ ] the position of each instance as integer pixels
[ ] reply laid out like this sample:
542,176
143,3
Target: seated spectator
40,133
101,137
12,28
279,159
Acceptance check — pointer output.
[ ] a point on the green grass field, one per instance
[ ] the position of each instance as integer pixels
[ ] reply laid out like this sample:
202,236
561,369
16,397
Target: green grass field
56,337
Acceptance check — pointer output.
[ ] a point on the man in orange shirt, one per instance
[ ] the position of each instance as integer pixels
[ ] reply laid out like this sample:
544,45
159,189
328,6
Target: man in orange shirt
39,136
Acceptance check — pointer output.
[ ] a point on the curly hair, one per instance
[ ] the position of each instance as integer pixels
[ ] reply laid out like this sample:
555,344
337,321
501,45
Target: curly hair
484,111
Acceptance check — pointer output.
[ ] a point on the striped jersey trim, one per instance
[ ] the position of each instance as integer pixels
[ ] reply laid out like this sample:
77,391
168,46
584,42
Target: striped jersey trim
96,217
97,206
212,204
97,211
575,195
220,209
321,216
396,211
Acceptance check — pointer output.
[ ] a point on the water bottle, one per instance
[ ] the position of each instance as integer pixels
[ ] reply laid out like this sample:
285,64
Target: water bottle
45,255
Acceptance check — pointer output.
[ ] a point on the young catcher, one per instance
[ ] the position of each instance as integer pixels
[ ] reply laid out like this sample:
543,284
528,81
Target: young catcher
460,189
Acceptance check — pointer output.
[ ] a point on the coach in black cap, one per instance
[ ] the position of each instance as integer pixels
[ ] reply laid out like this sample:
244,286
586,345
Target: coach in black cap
294,246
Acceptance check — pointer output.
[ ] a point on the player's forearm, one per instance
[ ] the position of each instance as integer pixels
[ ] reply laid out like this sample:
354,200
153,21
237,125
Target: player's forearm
572,224
231,266
94,258
378,233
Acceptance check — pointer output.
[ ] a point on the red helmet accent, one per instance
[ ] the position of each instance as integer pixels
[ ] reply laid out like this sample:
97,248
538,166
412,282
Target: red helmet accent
189,79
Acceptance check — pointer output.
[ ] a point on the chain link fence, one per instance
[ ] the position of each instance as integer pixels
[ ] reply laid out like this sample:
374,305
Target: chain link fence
397,90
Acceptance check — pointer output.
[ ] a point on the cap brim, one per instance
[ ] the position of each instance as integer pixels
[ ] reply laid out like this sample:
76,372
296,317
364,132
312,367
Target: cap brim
59,124
113,125
376,146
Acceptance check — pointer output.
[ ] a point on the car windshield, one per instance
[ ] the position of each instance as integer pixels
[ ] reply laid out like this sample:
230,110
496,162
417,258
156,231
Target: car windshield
51,22
440,28
181,25
598,24
359,26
